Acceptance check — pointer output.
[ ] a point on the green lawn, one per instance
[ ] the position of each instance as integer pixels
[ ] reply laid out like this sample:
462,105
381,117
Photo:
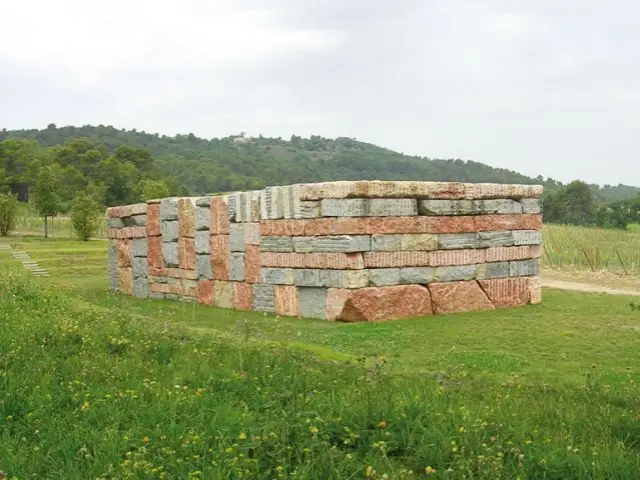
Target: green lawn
546,391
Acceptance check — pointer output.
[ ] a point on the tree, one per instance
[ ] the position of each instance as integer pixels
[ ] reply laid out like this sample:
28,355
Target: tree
84,215
152,189
46,197
8,210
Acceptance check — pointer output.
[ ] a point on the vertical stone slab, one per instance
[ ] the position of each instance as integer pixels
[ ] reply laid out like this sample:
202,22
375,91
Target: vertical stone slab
202,243
264,298
205,292
186,218
219,216
153,220
312,302
223,293
220,256
236,237
125,281
535,290
155,257
186,253
203,267
169,209
236,266
124,253
243,296
252,264
286,300
170,254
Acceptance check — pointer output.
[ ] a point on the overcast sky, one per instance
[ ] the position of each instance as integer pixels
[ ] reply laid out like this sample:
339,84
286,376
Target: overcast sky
548,87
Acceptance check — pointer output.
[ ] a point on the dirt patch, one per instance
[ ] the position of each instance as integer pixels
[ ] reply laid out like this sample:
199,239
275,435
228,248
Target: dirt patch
592,282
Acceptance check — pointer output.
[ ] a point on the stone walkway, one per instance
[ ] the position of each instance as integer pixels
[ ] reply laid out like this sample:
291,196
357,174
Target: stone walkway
26,260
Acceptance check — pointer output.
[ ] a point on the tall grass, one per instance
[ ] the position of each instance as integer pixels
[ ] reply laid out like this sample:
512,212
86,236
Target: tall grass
591,248
92,393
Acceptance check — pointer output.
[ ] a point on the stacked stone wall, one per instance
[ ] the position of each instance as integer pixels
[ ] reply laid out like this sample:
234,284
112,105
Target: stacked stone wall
350,251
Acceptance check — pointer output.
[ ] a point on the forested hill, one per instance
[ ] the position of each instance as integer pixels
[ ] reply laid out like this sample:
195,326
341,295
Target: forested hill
238,163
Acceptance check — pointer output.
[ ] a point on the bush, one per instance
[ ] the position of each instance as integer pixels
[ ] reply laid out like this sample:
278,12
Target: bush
84,215
8,211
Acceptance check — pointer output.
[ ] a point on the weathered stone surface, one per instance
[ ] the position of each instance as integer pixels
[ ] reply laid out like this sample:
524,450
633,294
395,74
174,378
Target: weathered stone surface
451,224
330,261
307,209
220,256
139,209
456,257
202,243
524,268
386,243
531,205
484,223
186,253
242,296
252,264
493,270
286,300
331,278
236,237
376,304
456,273
139,267
278,276
223,293
125,280
330,244
446,207
263,298
202,218
274,203
219,224
456,241
140,287
276,244
186,218
287,202
423,242
115,222
499,206
312,302
124,253
137,220
203,267
206,294
503,238
139,247
535,290
230,202
502,254
351,226
153,220
169,231
170,254
396,259
169,209
252,233
417,275
526,237
203,201
453,297
507,292
236,266
379,277
377,207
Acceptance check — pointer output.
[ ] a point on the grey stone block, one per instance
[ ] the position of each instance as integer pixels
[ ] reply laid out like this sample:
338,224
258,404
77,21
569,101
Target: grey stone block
278,276
456,241
456,273
203,267
231,206
202,242
307,209
115,223
138,220
140,287
386,243
379,277
419,275
264,298
139,247
275,202
337,243
276,244
502,238
307,277
202,218
364,207
203,202
139,267
446,207
312,302
502,206
236,237
236,266
287,202
524,268
169,230
170,254
493,270
169,209
531,205
526,237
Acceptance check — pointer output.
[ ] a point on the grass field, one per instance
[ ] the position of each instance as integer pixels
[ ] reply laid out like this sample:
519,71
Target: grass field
97,385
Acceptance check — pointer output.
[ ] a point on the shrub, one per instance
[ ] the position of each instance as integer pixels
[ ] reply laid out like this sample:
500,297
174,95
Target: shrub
8,211
84,215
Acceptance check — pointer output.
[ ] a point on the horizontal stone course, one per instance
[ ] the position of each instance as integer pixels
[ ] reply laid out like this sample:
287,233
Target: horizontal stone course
345,251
